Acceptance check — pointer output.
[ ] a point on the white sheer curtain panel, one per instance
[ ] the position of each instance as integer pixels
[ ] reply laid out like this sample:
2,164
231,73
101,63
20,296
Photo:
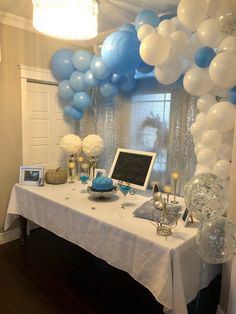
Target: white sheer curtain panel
153,117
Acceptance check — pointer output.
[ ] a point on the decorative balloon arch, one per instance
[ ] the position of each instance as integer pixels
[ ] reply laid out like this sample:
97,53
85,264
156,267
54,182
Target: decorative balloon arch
199,43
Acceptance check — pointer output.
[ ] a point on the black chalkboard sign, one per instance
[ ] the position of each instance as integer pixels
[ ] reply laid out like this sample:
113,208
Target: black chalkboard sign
133,167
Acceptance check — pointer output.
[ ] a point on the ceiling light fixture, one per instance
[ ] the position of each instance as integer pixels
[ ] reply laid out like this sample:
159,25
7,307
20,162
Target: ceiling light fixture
66,19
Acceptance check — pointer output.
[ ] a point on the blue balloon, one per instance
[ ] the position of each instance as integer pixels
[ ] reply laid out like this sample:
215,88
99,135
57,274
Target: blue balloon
115,78
61,64
76,114
99,69
108,89
82,59
67,110
127,83
145,68
204,56
120,52
77,81
90,80
232,95
146,17
128,28
82,100
65,90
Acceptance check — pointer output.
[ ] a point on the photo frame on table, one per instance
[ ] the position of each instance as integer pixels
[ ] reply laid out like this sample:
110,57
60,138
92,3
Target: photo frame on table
99,172
133,167
185,217
31,175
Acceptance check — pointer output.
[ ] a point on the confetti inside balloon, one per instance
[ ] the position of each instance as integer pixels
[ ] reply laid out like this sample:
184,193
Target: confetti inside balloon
215,240
205,196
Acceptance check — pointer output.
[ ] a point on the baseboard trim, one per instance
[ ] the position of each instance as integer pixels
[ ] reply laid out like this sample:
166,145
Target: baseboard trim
14,234
9,235
219,310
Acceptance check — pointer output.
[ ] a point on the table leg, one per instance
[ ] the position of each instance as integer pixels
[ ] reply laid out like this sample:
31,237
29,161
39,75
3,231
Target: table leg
23,229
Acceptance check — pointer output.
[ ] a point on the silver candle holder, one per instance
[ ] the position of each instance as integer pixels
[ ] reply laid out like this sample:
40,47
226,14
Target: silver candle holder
175,177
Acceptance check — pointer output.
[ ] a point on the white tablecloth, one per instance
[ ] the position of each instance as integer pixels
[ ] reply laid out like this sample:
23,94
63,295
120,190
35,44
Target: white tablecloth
168,266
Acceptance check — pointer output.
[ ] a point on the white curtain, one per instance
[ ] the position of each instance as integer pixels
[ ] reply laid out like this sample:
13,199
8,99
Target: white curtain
153,117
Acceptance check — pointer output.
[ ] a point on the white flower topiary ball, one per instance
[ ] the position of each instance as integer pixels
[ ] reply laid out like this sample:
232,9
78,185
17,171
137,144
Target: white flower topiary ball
92,145
71,143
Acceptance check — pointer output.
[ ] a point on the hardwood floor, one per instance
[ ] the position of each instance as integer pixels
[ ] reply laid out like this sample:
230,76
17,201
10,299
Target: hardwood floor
53,276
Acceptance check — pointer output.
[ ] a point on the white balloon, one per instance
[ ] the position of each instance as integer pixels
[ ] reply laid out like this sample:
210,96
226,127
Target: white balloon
197,147
154,49
212,7
221,117
206,157
222,169
196,129
201,118
190,50
165,74
144,30
225,151
179,41
211,139
166,28
180,27
209,33
202,169
228,137
191,13
204,103
196,139
228,44
172,59
197,81
221,70
186,65
220,91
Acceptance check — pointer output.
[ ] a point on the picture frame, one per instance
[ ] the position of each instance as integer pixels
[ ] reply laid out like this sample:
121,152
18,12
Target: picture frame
31,175
185,217
133,167
99,172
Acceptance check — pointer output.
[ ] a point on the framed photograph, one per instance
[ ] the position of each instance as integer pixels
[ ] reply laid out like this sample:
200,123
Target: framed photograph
31,175
185,217
99,172
132,166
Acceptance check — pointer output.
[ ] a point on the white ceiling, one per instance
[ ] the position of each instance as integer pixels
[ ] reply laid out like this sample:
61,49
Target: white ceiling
112,13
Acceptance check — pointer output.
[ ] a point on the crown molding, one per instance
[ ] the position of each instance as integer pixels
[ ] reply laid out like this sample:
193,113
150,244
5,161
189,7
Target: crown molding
16,21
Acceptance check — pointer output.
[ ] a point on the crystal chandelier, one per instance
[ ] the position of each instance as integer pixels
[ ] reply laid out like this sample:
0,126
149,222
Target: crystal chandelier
66,19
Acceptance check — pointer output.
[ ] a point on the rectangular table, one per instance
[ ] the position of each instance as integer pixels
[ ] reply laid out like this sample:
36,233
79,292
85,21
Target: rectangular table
168,266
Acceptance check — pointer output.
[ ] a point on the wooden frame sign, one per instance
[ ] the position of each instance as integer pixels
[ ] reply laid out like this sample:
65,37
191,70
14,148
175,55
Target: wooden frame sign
132,166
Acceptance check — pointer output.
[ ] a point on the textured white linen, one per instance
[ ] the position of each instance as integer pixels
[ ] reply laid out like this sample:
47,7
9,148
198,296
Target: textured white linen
169,267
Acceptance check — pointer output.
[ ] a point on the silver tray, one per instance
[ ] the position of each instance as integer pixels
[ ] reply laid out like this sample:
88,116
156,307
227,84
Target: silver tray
101,194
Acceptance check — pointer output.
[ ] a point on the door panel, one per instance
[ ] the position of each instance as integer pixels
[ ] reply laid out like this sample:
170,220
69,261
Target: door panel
43,126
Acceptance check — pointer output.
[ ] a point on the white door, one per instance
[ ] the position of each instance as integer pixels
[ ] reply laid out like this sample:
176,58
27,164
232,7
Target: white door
43,126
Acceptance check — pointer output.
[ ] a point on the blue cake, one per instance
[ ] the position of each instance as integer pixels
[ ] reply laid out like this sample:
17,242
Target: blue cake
102,184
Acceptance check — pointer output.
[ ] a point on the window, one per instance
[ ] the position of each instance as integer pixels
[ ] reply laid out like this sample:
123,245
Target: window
150,124
153,117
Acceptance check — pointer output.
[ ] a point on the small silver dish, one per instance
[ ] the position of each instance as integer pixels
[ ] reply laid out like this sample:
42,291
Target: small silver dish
101,194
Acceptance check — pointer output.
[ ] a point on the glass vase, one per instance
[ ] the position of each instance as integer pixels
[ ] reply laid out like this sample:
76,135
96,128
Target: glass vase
92,167
72,165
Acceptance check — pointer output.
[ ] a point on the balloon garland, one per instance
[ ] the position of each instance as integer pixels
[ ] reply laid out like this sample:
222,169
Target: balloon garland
195,44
